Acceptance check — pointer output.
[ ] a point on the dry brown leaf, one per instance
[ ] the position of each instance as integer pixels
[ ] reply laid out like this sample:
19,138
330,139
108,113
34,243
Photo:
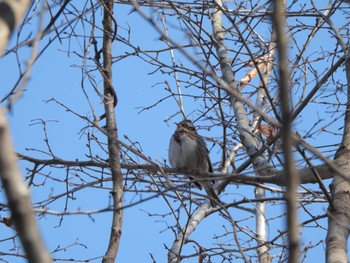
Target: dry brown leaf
268,131
251,74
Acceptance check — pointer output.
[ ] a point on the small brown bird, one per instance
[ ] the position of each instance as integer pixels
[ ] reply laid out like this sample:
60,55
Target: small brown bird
187,150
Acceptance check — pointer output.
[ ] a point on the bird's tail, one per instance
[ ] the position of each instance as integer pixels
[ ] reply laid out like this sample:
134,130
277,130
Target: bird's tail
212,195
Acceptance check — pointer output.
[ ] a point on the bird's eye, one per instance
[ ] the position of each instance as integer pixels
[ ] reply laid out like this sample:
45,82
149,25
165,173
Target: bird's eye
189,127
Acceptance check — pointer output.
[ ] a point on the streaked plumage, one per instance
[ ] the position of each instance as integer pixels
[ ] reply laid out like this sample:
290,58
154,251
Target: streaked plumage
187,150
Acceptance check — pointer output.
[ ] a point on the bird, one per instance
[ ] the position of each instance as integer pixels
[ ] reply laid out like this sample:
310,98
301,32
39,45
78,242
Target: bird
187,150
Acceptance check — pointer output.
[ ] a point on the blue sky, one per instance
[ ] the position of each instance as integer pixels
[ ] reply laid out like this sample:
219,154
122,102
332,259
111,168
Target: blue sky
57,75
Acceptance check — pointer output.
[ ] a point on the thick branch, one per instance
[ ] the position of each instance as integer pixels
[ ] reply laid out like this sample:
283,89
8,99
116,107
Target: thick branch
339,212
292,183
11,12
182,236
274,176
19,199
243,124
111,126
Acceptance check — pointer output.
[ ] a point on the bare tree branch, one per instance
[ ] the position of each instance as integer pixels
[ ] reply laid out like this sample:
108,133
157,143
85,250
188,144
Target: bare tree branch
212,44
11,13
19,199
110,101
291,176
274,176
338,210
249,142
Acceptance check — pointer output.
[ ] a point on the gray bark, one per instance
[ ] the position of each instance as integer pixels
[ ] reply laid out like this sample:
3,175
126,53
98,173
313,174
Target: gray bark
18,196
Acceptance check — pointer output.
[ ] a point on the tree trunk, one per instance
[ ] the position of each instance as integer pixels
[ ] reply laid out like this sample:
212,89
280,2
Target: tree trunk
339,212
18,196
110,100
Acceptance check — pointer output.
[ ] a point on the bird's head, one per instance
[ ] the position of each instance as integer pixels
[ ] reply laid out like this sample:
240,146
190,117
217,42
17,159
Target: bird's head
186,125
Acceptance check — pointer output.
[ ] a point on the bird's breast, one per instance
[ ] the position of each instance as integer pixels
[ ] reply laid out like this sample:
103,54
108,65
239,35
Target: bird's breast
188,146
182,152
